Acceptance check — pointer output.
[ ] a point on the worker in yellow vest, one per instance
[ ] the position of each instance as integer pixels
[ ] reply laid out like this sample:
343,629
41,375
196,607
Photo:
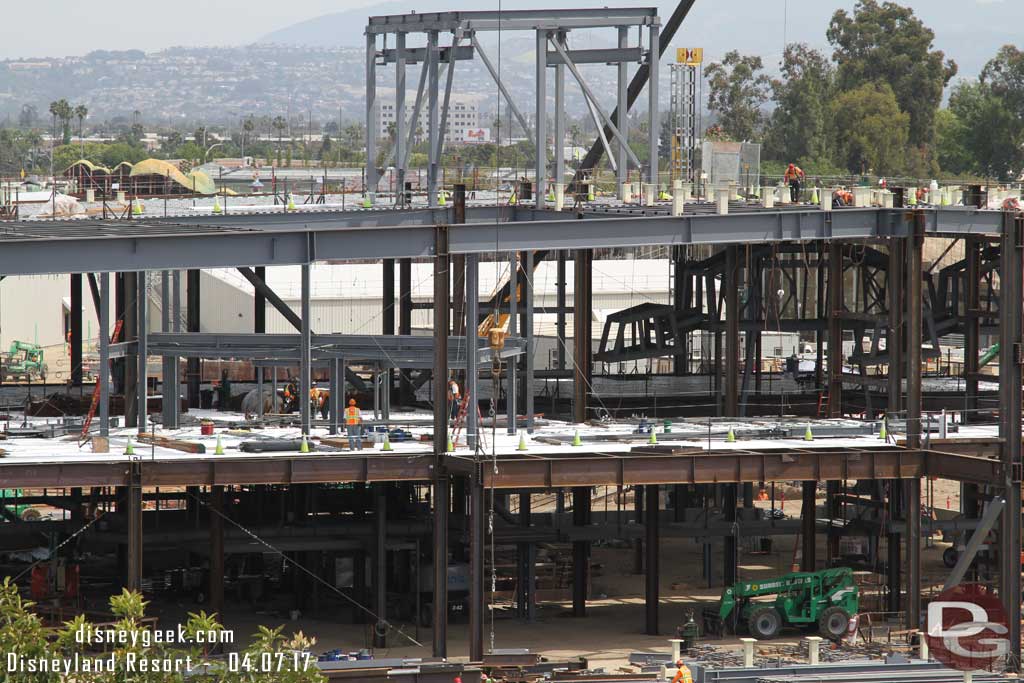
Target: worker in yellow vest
683,674
354,426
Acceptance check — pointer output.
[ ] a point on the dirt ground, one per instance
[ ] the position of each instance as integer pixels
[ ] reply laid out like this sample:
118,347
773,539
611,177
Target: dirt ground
614,624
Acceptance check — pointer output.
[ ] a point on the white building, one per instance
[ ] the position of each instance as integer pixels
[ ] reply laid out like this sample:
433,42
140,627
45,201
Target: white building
463,119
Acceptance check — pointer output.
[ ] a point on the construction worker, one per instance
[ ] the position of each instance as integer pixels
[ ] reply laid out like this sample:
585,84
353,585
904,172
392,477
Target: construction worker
841,198
354,426
794,176
683,674
454,396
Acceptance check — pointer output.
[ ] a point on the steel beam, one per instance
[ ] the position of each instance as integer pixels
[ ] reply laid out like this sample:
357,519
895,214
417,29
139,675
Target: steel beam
972,325
731,282
192,366
835,329
607,55
371,123
582,342
531,350
654,127
894,343
512,370
510,20
305,352
433,130
808,526
75,328
501,86
559,114
472,373
652,562
401,58
217,551
441,482
912,509
978,537
621,120
380,565
103,372
476,565
580,551
418,55
541,118
1011,341
142,323
134,503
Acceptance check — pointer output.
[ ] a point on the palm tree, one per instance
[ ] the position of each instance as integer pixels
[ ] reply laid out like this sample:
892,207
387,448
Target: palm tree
81,111
247,127
279,124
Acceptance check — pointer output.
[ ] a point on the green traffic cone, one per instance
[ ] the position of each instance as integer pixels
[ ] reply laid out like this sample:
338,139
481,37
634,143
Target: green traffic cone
912,199
451,446
731,436
814,196
367,204
883,433
590,196
137,208
576,440
522,441
216,205
440,198
291,203
129,449
808,436
387,443
654,437
219,449
304,446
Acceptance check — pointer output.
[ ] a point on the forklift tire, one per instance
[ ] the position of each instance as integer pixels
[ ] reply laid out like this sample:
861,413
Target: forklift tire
949,557
765,623
833,622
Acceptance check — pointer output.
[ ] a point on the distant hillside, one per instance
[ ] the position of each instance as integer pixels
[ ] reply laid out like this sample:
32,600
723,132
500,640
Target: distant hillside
969,31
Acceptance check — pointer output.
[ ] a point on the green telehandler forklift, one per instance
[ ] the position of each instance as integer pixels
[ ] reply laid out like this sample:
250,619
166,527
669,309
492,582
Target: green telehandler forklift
827,599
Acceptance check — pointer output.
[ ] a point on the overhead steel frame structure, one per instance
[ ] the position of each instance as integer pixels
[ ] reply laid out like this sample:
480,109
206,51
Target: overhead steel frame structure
236,241
553,29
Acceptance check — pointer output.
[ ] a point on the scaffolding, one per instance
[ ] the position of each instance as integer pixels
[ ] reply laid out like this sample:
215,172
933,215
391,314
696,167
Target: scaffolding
683,114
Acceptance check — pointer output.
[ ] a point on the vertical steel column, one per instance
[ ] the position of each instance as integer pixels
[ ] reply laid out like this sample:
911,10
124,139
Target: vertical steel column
530,347
560,285
174,366
433,57
217,551
371,103
582,346
259,303
168,400
380,565
894,343
972,325
730,556
652,97
103,373
525,564
388,327
476,560
441,324
134,501
334,400
835,329
512,372
732,326
541,140
580,551
622,116
75,326
400,121
472,374
192,365
142,321
1011,339
808,527
405,390
559,140
305,353
652,563
129,332
913,501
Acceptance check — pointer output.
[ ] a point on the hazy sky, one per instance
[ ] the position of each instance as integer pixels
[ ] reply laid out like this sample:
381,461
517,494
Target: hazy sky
74,27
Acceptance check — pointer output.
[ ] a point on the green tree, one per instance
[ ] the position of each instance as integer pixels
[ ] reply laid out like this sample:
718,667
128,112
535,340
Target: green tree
885,42
991,131
951,151
1004,74
871,131
800,126
81,111
22,634
738,89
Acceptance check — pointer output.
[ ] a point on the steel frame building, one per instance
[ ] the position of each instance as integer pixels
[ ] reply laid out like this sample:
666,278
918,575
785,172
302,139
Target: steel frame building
552,29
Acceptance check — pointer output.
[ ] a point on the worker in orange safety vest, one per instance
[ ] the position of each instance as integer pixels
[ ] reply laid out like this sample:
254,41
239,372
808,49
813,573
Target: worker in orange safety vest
794,177
354,426
683,674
